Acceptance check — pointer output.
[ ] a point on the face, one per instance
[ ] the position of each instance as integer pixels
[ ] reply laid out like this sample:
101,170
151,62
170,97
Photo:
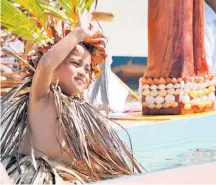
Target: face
75,71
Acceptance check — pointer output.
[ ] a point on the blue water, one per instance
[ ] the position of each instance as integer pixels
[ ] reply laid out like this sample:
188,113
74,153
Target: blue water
174,143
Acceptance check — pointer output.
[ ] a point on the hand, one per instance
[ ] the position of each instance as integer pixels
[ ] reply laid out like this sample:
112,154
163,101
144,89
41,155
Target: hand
84,20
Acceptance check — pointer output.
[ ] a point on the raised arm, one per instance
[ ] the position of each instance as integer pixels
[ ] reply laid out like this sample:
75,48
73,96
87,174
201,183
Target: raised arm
51,60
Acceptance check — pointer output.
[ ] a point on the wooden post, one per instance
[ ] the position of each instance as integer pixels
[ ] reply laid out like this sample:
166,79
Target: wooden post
177,79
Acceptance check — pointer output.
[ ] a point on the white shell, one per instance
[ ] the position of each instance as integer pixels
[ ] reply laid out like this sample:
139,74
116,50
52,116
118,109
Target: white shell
196,101
203,99
187,91
175,104
176,86
211,96
146,92
170,98
202,86
149,99
151,106
169,86
146,86
194,86
162,92
208,82
154,93
188,85
182,84
158,106
211,82
153,87
159,100
161,86
199,86
205,84
186,99
170,91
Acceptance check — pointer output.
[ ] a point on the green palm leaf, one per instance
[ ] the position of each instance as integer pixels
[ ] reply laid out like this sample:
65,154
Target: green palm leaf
71,6
53,10
65,4
34,26
37,11
88,4
18,23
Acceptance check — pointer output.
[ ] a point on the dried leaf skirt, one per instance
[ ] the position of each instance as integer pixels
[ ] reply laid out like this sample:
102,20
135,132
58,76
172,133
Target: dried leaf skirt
22,171
92,142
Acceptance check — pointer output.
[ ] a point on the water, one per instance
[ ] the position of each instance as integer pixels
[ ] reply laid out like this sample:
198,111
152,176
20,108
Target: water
167,158
174,143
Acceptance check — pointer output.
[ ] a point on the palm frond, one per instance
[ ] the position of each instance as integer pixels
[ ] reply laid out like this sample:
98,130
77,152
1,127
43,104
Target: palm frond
74,11
89,4
36,10
66,5
82,4
18,23
53,10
